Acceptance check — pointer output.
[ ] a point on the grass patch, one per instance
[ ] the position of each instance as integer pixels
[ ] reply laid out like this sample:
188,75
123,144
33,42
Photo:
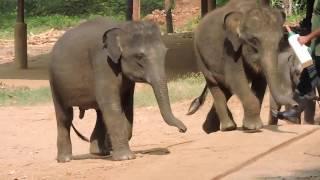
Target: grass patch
39,24
186,87
24,96
36,24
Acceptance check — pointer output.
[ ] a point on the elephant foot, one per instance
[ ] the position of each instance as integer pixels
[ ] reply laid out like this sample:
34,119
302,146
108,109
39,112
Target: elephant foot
228,126
97,149
64,158
211,125
124,154
252,124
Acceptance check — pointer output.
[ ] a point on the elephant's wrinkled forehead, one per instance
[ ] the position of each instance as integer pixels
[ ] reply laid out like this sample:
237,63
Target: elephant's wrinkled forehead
262,19
138,33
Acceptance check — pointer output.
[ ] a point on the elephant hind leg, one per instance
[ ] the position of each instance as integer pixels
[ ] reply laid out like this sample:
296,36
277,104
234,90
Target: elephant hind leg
99,140
219,113
64,116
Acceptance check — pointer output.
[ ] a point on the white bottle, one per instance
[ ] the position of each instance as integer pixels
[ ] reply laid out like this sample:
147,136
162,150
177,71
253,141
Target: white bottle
300,50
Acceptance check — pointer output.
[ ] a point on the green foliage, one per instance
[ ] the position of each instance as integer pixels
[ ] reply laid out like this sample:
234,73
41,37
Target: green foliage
37,24
147,6
78,7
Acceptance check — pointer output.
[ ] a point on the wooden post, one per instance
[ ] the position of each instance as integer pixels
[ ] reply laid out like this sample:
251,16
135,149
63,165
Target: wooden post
136,10
129,10
265,2
207,6
20,38
204,7
212,4
168,5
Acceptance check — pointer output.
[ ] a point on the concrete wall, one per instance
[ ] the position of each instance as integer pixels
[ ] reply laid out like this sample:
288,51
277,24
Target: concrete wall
180,59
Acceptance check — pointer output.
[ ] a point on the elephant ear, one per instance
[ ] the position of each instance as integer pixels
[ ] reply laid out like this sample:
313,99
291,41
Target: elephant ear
111,43
280,16
231,25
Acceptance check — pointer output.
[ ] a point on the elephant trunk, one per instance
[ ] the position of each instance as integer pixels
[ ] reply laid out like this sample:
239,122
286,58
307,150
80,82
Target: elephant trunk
159,86
270,67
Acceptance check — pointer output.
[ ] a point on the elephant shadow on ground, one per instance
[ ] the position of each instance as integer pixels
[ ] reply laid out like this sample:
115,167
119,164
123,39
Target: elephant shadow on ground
152,151
275,128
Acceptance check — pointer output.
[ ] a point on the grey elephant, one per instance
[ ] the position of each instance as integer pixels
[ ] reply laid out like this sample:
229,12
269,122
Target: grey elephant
95,66
235,45
289,68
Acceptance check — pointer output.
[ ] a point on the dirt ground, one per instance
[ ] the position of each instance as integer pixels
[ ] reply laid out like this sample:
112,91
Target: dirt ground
28,148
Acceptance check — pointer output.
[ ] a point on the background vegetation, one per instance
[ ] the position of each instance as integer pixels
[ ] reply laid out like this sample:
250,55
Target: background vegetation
42,15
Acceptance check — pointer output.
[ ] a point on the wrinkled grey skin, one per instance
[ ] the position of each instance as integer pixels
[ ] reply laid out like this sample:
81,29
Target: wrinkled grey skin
95,66
289,74
235,45
289,68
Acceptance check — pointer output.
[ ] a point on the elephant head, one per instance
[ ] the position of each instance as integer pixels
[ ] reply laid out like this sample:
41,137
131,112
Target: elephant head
138,49
257,34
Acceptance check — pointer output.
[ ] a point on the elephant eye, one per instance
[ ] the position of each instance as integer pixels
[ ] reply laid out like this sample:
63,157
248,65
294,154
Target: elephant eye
139,55
254,41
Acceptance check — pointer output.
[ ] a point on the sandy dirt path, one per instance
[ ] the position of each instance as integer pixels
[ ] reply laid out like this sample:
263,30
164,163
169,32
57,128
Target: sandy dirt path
28,148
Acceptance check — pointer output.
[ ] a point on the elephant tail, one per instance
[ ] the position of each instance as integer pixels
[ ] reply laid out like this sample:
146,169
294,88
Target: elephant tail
198,102
79,134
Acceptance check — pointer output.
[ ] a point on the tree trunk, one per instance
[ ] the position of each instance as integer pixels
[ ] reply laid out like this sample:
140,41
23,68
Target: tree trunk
136,10
288,7
168,5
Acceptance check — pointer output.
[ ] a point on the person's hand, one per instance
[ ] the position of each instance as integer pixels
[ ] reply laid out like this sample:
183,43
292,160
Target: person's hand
304,39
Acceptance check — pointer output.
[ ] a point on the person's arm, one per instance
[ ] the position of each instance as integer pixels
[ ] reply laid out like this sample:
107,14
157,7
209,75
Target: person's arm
307,38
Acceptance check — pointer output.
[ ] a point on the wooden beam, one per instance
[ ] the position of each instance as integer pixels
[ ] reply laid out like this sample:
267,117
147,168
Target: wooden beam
20,38
136,10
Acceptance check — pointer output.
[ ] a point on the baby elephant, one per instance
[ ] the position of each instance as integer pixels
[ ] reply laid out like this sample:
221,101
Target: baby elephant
95,66
289,68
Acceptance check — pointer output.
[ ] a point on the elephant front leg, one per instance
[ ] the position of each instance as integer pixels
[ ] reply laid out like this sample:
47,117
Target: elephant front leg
127,104
220,105
117,127
99,140
250,102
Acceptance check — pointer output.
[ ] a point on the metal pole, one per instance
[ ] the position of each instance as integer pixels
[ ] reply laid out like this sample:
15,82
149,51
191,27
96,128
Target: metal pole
20,38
